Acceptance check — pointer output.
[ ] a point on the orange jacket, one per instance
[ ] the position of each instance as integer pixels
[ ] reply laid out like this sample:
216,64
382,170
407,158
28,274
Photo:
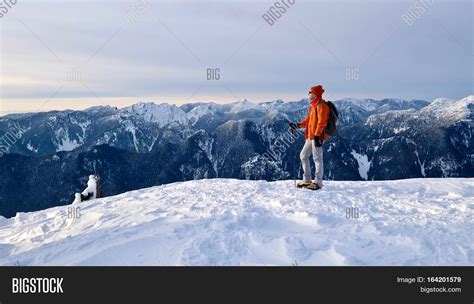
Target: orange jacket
316,120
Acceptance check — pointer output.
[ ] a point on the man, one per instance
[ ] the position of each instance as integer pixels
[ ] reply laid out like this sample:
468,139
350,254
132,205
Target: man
315,123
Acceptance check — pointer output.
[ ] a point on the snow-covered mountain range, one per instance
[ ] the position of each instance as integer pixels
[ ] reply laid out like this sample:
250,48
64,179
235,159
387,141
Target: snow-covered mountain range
149,144
139,126
236,222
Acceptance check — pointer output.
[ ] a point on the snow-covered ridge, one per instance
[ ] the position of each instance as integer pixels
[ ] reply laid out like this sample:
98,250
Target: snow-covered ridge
444,110
164,113
450,109
236,222
161,114
139,126
201,110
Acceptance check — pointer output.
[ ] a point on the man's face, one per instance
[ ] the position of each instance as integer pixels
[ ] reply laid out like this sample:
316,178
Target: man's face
311,95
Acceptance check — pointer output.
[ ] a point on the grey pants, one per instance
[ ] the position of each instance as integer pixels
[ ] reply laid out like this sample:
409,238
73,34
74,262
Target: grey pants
317,152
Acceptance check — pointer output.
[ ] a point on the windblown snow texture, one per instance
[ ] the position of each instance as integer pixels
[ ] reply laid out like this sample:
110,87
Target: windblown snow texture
236,222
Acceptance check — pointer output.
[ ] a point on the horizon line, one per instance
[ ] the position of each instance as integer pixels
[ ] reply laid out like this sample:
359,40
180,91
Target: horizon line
124,104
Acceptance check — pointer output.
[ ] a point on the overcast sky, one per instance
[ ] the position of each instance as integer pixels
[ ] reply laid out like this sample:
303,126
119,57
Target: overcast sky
76,54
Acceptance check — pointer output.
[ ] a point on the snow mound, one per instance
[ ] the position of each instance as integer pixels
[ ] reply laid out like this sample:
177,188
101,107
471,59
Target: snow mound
237,222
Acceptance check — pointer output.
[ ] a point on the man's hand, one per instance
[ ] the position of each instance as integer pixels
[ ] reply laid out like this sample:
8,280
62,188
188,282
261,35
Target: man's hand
294,126
317,141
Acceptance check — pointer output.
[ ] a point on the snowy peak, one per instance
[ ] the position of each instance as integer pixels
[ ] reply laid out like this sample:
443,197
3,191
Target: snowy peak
365,104
451,110
240,106
281,106
101,109
442,101
143,126
161,114
272,104
446,103
441,112
378,106
189,106
200,111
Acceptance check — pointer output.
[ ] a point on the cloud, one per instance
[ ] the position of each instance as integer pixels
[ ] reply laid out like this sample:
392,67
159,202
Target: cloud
166,52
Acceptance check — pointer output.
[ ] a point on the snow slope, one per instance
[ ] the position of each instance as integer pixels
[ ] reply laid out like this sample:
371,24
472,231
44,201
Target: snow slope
236,222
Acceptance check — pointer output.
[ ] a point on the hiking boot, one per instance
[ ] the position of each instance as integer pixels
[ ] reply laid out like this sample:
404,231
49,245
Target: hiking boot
304,184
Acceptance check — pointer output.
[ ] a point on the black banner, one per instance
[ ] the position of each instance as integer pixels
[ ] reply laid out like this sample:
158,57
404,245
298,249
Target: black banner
223,284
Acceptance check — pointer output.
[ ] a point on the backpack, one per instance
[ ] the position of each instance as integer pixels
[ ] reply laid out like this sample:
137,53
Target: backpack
333,118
